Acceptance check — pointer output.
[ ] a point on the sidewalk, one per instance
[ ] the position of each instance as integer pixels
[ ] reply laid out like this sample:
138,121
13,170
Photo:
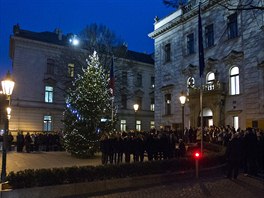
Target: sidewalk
37,160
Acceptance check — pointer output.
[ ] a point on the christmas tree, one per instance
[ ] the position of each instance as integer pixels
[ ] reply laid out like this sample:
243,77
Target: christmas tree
88,100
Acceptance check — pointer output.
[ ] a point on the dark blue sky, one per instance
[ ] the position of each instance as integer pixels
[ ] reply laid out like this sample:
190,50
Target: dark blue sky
131,20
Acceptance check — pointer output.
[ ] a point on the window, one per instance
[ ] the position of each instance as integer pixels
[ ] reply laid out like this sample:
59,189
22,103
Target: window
210,78
209,35
236,122
123,125
152,81
167,51
124,78
124,101
232,26
190,82
190,43
139,80
71,70
138,125
49,94
139,102
50,66
168,104
210,81
47,123
234,81
152,105
152,124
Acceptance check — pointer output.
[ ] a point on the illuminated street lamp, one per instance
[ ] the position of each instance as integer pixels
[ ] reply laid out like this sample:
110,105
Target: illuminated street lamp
135,106
74,40
7,89
182,100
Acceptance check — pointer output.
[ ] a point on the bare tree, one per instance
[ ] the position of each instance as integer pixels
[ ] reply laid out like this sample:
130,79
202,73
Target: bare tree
175,3
243,4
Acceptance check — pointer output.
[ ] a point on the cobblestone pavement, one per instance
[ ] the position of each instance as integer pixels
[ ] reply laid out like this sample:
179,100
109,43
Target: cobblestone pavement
216,186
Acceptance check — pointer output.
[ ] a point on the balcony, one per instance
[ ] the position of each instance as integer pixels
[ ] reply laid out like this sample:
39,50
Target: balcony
212,88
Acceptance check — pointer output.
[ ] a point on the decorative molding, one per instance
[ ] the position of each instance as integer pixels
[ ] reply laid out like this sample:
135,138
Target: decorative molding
234,58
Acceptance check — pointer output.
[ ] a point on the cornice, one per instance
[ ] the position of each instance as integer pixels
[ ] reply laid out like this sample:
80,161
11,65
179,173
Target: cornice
188,13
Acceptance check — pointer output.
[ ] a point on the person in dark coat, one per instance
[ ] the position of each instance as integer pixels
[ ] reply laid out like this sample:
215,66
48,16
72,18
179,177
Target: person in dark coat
233,155
250,144
28,141
182,149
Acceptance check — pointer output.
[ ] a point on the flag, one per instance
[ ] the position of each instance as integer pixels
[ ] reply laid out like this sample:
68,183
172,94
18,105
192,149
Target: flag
112,77
200,42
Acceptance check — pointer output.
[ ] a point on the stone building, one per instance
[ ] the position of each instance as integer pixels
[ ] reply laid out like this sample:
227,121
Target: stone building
41,78
233,78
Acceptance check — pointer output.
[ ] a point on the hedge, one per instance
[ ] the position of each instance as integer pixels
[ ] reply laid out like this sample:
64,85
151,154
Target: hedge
56,176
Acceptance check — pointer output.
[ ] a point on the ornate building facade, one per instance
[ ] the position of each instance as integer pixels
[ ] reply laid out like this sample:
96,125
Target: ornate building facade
41,78
233,78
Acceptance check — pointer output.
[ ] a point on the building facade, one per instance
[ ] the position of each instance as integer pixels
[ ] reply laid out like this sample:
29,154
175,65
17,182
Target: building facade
232,83
38,100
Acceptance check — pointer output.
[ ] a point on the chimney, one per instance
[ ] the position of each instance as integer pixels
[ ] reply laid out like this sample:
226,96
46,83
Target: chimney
16,29
59,33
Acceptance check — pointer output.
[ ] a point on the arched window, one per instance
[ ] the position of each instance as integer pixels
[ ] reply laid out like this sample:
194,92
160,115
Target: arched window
234,81
210,78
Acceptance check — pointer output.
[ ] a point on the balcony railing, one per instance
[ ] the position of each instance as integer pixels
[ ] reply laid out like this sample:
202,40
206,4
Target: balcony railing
211,87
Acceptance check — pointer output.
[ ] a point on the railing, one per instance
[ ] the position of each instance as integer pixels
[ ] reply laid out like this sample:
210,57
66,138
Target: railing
212,87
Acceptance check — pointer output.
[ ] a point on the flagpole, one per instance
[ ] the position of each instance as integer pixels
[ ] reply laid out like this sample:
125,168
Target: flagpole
201,67
201,111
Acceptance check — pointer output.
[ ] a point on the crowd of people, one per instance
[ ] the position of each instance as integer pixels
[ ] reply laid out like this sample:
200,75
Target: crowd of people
245,148
34,142
121,147
157,146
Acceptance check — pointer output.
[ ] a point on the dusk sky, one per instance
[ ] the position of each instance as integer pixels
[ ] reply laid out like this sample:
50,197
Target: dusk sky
131,20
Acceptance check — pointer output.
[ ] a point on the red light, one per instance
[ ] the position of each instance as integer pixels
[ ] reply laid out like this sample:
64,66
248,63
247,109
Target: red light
197,155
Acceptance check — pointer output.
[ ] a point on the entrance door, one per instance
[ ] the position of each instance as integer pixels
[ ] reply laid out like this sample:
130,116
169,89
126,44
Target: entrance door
207,117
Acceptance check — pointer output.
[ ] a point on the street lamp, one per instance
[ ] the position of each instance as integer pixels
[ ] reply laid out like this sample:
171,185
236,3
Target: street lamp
182,100
136,106
7,88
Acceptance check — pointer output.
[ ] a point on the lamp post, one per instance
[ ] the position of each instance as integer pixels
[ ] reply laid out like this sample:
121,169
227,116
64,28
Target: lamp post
7,88
182,100
136,106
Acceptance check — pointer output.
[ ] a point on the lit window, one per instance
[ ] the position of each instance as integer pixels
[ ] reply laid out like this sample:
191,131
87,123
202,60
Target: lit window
232,26
167,51
210,78
49,94
138,125
152,104
152,124
210,81
190,43
123,125
47,123
71,70
234,81
236,122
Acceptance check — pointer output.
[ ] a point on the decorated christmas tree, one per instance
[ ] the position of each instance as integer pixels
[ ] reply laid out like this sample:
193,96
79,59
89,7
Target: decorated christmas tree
88,100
